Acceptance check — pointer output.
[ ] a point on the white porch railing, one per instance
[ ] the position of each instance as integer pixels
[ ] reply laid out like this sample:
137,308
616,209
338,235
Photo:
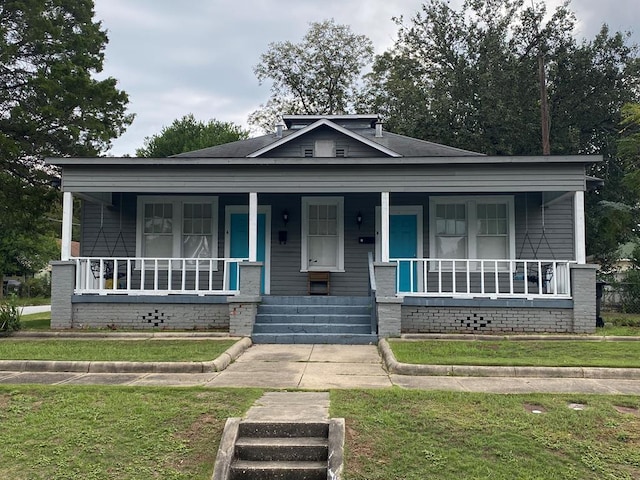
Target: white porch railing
157,276
429,277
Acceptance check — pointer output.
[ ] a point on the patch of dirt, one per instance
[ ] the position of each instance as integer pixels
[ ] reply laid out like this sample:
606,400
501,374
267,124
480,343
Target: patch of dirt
577,406
201,437
628,410
533,408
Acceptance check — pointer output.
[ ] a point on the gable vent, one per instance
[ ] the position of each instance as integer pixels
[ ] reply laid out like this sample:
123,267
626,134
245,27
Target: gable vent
308,152
340,152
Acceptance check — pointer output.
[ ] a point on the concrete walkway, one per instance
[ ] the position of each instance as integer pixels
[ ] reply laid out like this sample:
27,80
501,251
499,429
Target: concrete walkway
324,367
35,309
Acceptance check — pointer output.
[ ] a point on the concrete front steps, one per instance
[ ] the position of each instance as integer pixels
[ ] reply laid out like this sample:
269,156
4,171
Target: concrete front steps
314,319
282,450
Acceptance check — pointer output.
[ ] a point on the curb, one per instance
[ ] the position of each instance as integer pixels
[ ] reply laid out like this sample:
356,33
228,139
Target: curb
393,366
216,365
122,335
517,338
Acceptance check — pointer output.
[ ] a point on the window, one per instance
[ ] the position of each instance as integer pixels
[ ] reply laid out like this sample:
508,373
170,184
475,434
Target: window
472,227
177,227
322,234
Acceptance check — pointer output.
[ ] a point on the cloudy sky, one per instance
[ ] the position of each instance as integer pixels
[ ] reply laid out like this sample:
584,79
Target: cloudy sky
197,56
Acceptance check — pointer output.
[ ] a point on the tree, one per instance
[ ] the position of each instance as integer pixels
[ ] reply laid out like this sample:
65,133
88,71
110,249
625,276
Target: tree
50,105
320,75
187,134
470,78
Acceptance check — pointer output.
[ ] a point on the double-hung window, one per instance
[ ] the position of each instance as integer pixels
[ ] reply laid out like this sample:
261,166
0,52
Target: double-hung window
177,227
322,234
475,227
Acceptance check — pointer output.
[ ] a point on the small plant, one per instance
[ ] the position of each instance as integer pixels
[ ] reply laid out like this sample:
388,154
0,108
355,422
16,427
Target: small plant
9,316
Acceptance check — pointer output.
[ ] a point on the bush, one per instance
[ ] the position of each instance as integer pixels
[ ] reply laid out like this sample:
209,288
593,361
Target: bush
36,287
9,316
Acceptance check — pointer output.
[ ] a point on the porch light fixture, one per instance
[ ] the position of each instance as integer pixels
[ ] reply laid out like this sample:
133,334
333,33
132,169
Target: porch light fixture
359,219
285,217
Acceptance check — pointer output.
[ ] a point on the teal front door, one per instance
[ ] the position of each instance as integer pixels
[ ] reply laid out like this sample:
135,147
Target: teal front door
403,243
239,244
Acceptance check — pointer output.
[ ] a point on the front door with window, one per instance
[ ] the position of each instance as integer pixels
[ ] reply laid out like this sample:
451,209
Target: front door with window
237,242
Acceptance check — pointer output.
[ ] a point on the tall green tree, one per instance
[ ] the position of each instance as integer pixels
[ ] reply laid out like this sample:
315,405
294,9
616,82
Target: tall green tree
319,75
51,104
187,134
469,78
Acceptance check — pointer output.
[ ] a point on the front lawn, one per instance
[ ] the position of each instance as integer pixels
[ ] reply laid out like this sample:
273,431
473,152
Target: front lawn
113,350
36,321
144,433
416,435
92,432
566,353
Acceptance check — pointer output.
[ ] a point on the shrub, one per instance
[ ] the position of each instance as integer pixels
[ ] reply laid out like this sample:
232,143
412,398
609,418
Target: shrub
36,287
9,316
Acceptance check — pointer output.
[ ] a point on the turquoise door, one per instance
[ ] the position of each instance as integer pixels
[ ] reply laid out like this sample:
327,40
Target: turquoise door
239,243
403,243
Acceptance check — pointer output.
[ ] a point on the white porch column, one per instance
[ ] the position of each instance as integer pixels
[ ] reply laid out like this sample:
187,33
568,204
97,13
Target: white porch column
253,226
580,235
67,225
384,224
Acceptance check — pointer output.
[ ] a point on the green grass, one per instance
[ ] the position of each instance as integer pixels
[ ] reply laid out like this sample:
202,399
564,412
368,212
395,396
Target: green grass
113,350
36,321
144,433
414,435
518,353
85,433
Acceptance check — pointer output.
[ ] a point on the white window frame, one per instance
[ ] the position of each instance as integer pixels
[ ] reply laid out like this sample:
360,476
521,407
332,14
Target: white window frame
338,202
177,202
471,202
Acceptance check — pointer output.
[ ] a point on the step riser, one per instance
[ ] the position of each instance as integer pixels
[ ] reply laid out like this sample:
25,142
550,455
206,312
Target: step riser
307,339
258,473
348,319
280,429
313,310
281,453
314,328
315,300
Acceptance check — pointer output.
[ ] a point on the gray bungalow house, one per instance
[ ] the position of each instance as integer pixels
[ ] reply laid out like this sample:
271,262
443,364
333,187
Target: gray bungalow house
328,230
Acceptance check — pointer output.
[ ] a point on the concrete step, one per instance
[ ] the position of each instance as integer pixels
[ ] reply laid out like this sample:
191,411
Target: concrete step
314,300
332,318
297,327
315,338
313,310
246,470
285,449
283,429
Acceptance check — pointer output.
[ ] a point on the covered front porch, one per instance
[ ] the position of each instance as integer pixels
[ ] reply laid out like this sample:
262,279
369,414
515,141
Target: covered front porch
411,286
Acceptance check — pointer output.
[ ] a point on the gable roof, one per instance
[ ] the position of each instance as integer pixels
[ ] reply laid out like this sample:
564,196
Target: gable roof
326,122
389,145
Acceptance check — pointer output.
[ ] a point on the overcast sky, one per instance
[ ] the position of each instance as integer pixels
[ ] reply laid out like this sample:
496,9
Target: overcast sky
197,56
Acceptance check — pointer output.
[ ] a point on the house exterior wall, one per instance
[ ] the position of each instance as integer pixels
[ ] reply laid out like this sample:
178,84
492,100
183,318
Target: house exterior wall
303,177
481,319
353,147
110,231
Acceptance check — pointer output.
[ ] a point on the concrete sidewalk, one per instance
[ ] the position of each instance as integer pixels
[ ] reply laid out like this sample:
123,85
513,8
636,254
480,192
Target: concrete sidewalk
323,367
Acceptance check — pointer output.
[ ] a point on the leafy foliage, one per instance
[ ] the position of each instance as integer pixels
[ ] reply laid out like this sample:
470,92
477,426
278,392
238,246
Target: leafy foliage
188,134
469,78
9,316
319,75
50,105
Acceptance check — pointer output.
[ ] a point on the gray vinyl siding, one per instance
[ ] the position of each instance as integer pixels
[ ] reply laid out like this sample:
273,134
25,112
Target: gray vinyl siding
309,179
286,277
109,230
353,147
547,236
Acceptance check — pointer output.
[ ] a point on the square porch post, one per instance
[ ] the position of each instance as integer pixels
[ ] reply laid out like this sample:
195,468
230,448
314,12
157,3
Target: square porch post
67,225
384,227
253,226
580,235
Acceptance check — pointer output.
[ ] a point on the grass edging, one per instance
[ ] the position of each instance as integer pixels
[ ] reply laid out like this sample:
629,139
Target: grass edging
393,366
216,365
